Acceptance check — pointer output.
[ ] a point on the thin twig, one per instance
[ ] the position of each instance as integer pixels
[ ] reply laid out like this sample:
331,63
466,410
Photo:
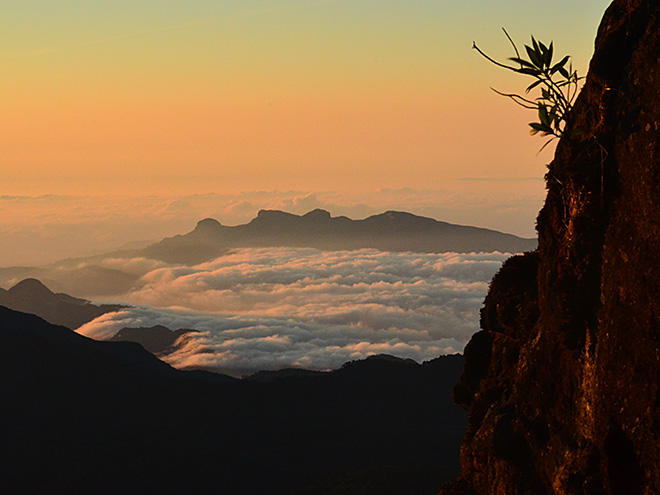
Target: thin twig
515,48
474,45
515,97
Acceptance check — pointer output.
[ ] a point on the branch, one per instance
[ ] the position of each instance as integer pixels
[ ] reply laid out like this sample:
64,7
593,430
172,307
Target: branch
529,104
515,48
474,45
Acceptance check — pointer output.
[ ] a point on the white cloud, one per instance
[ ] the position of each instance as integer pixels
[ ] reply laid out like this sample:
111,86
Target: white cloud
272,308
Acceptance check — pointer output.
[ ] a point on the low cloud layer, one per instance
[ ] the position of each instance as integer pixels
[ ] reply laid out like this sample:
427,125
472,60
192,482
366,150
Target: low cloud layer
272,308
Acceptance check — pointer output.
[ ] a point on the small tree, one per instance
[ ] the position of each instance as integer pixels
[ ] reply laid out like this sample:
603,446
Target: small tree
557,83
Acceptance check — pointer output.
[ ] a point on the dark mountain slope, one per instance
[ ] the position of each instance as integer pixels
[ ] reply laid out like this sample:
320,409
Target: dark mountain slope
81,416
157,340
31,296
390,231
563,383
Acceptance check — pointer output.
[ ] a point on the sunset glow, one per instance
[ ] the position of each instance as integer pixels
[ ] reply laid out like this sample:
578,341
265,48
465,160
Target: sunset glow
173,96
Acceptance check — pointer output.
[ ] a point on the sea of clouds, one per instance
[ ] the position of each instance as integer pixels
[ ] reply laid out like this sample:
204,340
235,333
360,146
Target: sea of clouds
272,308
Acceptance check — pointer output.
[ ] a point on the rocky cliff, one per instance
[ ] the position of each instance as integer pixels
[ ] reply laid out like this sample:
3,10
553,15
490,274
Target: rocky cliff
562,383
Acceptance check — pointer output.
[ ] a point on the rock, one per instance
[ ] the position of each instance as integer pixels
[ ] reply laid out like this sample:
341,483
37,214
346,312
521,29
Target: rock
562,385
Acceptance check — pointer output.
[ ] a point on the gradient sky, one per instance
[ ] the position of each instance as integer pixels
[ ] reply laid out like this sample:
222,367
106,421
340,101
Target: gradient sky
198,96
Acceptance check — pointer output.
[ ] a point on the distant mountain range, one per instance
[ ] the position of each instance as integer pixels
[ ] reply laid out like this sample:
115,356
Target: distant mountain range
81,416
32,296
390,231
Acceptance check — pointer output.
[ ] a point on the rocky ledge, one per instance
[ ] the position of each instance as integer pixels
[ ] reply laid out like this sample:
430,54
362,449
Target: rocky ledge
562,383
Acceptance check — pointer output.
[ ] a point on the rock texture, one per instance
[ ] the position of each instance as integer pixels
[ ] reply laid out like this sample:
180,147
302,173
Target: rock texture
562,384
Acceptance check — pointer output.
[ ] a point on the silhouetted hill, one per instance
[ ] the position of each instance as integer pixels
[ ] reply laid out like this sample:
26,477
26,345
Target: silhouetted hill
267,376
81,416
32,296
157,339
390,231
77,276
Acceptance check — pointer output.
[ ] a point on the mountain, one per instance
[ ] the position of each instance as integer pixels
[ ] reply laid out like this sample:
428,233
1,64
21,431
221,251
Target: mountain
77,276
390,231
81,416
157,339
562,384
32,296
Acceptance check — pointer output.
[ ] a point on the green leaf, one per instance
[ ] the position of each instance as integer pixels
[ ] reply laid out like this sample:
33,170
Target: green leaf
536,127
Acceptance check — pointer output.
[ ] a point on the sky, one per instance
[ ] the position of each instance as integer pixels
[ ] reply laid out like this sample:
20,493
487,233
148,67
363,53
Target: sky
140,108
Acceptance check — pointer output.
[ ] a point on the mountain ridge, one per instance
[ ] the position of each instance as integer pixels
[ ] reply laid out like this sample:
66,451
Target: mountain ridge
90,417
389,231
32,296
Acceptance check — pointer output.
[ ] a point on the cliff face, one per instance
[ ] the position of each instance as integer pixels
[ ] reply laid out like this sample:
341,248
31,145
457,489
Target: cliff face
562,383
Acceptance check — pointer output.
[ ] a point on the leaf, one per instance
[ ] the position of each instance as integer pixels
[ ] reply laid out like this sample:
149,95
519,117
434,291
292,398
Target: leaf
560,64
544,54
533,85
564,72
522,62
529,72
534,56
543,129
535,45
543,115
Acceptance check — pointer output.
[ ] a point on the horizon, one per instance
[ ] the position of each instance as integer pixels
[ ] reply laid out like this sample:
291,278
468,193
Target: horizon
131,124
128,106
116,97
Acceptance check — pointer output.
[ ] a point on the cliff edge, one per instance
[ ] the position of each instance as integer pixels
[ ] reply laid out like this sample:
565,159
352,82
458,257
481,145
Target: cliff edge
562,383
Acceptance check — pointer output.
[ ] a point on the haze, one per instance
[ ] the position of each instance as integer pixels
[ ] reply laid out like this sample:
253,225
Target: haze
122,111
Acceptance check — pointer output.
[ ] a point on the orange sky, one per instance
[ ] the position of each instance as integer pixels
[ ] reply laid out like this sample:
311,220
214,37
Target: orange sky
126,113
186,96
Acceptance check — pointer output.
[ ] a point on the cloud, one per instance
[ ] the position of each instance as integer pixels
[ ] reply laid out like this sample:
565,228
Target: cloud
271,308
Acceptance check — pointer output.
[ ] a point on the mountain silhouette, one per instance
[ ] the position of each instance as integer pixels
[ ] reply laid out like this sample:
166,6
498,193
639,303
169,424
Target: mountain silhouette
390,231
32,296
81,416
157,339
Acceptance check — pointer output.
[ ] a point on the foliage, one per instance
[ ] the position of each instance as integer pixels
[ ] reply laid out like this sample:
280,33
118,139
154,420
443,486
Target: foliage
558,84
